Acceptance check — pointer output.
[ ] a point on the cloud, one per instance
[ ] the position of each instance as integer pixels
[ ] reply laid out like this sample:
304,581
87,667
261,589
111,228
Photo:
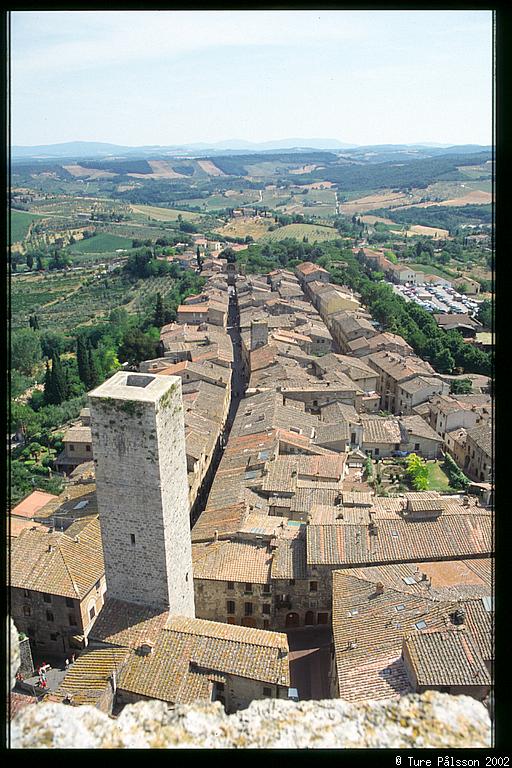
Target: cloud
52,40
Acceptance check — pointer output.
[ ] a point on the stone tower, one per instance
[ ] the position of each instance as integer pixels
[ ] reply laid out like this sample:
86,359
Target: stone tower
138,440
259,334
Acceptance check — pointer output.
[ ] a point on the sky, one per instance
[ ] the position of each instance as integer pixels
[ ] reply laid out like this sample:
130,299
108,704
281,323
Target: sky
177,77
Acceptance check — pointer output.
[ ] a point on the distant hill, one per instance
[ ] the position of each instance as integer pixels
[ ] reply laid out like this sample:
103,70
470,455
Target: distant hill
81,150
96,149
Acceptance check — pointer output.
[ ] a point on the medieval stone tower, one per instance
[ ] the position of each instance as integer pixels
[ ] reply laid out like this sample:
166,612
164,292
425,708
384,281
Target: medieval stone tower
142,489
259,334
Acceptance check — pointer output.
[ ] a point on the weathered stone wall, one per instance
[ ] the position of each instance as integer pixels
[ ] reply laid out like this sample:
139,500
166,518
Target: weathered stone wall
47,635
142,490
431,720
211,599
240,692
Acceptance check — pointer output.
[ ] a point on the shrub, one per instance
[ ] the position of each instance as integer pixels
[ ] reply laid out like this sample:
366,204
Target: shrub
456,476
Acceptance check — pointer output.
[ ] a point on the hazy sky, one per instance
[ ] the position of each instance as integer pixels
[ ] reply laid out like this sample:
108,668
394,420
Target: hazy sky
169,77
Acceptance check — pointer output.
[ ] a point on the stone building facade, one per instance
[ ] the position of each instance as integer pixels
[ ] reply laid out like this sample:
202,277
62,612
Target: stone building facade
141,477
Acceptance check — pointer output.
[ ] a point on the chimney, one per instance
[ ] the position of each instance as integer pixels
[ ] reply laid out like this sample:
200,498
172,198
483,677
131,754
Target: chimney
352,644
50,547
146,648
379,588
458,617
215,535
465,501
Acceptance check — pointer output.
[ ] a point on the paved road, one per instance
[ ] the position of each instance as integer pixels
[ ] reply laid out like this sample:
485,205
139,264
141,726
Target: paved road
310,661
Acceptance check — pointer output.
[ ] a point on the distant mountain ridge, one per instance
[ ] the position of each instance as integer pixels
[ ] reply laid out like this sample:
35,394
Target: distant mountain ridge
74,150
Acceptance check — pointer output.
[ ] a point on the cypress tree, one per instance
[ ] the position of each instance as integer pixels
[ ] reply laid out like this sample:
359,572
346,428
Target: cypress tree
94,369
48,381
59,386
159,318
82,360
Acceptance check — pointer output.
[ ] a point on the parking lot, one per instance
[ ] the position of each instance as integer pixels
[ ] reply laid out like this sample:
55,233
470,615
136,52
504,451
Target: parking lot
439,299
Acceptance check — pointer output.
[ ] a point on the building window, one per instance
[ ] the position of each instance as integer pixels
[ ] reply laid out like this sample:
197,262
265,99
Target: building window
72,620
220,686
132,539
248,588
69,602
291,582
72,448
88,448
231,584
47,598
53,636
49,616
92,612
266,587
97,585
248,609
313,586
26,610
231,606
416,446
377,451
26,592
267,692
265,608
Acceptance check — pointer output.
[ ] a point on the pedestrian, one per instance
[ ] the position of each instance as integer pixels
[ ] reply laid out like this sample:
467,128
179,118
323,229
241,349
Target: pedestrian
67,664
72,658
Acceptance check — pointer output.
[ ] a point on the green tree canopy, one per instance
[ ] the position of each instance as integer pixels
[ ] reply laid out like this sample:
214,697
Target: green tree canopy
26,350
135,347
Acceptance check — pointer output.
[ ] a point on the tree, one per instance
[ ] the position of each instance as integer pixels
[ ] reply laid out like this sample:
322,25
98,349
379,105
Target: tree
199,259
461,387
30,260
135,347
444,362
39,264
417,472
25,350
159,316
95,374
82,359
485,313
56,386
54,341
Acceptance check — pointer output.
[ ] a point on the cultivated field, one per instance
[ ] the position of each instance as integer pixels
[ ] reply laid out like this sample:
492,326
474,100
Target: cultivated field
255,226
210,168
20,224
64,301
101,243
311,231
369,219
91,173
304,169
418,229
164,214
386,199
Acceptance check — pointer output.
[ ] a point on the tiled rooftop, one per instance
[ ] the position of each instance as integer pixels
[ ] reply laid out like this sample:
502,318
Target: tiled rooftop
188,652
446,658
58,563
